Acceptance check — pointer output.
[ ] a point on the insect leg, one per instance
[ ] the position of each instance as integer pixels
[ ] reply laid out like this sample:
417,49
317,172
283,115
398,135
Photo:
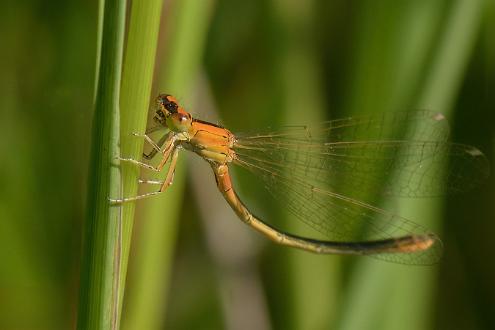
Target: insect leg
156,146
164,184
169,141
146,181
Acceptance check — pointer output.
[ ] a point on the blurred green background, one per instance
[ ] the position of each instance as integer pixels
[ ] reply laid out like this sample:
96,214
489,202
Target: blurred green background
247,65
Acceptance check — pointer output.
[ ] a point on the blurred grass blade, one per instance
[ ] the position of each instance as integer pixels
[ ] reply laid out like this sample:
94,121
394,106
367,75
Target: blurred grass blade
311,277
439,93
98,300
450,60
391,53
405,293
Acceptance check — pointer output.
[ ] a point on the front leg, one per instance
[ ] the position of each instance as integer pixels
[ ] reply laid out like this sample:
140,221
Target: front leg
157,147
169,145
137,162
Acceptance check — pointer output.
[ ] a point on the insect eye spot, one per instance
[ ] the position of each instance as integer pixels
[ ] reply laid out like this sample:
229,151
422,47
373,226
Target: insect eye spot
171,106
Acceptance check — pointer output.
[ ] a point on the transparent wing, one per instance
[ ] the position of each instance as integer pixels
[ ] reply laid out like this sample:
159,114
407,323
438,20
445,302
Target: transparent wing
321,173
419,125
396,154
342,218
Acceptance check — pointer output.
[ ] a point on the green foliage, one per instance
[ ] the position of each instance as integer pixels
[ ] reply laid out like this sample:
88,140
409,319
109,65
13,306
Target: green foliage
259,64
98,303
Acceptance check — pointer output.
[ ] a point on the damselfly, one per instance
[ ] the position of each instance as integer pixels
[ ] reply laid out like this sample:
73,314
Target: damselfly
315,170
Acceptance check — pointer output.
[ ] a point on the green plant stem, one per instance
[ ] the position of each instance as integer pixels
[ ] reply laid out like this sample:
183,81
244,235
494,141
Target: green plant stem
98,300
136,92
186,25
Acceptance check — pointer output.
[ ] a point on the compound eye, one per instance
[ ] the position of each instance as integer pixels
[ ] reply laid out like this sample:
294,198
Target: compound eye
171,106
162,99
168,103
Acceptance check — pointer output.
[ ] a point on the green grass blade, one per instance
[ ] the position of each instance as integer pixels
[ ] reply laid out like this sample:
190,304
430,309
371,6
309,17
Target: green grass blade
98,300
391,52
440,91
186,25
136,92
405,294
311,277
452,55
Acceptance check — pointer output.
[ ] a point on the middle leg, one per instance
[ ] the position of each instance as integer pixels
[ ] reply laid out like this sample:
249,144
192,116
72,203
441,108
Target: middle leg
163,184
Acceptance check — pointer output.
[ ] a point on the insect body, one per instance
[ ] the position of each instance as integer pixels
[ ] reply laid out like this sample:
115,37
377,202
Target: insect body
295,164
